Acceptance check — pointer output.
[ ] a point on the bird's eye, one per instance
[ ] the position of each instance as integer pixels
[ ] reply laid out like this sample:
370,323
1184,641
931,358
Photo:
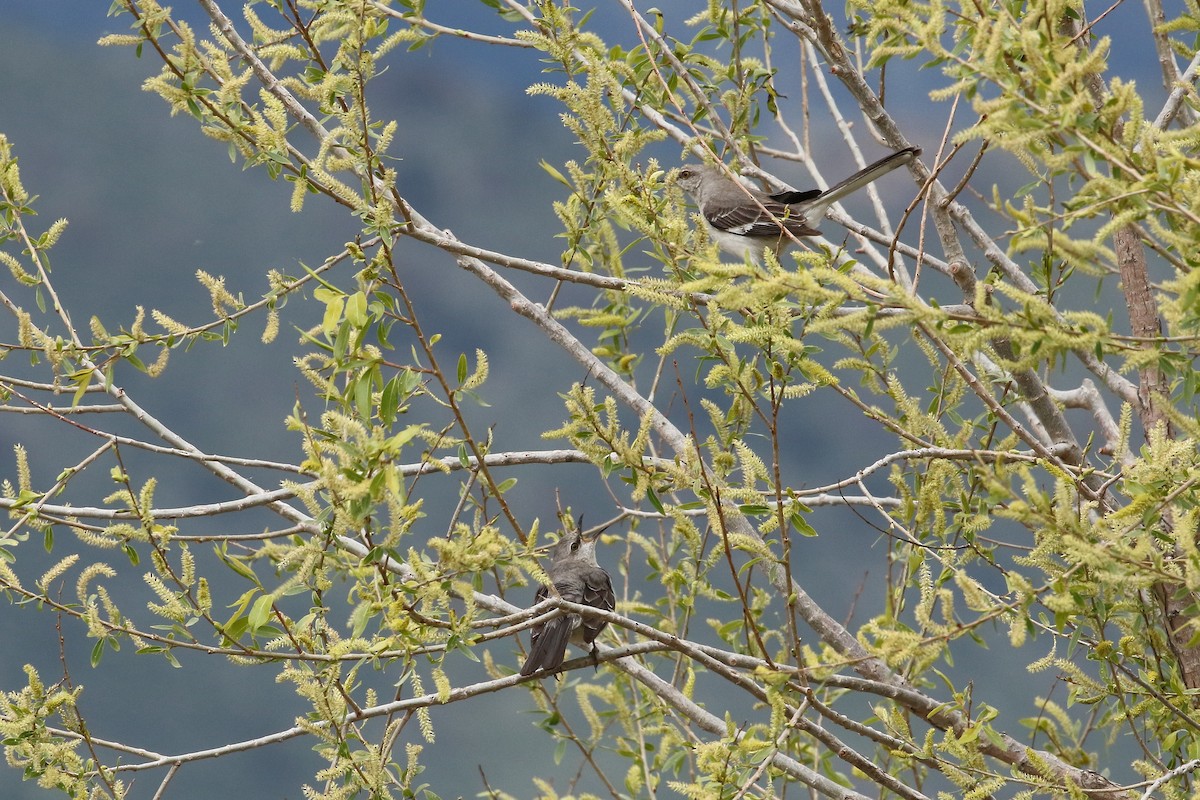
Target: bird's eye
685,173
575,544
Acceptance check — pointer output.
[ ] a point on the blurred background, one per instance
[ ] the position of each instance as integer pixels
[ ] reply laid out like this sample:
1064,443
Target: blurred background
150,200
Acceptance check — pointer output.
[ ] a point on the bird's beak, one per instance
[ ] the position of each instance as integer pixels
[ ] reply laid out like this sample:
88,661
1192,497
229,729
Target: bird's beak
594,535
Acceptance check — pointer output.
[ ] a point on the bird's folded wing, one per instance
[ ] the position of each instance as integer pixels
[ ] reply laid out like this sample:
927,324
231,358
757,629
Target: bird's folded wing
598,592
747,219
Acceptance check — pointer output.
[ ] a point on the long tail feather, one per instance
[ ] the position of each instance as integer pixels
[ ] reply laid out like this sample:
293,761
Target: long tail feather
814,212
549,647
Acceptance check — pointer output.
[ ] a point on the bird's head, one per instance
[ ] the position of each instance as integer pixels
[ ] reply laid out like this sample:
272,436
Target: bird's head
691,177
575,546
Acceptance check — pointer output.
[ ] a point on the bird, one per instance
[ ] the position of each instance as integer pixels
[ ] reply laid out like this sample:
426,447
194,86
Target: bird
744,222
577,577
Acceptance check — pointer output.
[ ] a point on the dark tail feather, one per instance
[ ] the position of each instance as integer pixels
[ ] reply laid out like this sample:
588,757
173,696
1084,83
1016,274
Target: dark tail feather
788,198
869,174
814,210
549,646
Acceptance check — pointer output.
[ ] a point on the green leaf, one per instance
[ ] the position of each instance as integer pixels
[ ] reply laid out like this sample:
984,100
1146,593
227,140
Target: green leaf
356,309
260,612
554,173
801,525
362,396
389,401
82,379
652,496
97,652
333,311
559,751
237,565
359,618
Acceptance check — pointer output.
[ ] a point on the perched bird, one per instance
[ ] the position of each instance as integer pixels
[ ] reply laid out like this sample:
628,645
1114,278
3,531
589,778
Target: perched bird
578,578
745,222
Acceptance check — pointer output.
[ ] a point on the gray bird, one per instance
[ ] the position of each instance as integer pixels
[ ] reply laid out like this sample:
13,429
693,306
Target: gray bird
745,222
578,578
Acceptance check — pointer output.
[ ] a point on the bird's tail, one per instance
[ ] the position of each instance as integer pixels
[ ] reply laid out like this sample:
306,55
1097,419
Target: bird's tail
549,648
815,211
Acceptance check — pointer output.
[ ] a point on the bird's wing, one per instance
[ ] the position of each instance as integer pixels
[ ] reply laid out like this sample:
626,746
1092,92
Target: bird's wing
747,219
597,593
